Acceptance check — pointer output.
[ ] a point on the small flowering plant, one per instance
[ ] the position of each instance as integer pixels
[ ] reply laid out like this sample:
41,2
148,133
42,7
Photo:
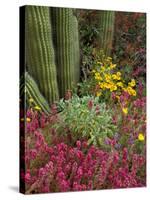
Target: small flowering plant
87,118
61,168
131,125
108,79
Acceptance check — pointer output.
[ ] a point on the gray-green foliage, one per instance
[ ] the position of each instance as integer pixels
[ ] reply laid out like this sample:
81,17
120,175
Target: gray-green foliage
85,121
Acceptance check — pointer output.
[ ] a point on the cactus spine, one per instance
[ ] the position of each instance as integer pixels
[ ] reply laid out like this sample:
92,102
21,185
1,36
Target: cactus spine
63,26
40,58
106,23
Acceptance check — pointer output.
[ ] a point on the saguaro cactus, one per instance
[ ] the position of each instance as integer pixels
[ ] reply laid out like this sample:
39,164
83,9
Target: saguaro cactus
40,58
106,24
76,50
63,27
32,91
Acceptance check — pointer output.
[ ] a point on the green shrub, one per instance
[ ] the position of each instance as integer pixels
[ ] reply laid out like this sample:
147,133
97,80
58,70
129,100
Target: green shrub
87,118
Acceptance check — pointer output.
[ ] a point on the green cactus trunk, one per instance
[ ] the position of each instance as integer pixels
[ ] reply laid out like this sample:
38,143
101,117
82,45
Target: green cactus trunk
63,27
32,91
106,23
40,58
76,50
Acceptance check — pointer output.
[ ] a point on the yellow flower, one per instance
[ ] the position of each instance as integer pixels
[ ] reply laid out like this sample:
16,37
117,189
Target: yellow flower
99,62
118,73
28,119
114,76
113,87
107,77
102,68
106,85
97,76
31,100
97,73
131,91
134,93
118,97
101,85
141,137
22,119
125,111
98,94
93,71
37,108
120,84
132,83
109,58
112,66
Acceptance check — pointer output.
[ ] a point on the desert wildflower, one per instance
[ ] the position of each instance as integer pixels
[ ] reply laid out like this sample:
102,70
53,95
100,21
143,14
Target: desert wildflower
102,68
118,73
112,66
28,119
99,62
97,76
125,111
132,83
31,100
113,87
114,76
131,91
134,93
98,94
120,84
141,137
37,108
118,97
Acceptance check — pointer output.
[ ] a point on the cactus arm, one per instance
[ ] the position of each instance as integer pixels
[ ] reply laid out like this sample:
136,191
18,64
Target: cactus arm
32,91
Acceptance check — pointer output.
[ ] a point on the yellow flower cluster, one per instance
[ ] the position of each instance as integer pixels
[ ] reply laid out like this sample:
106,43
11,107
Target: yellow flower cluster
141,137
31,100
27,119
130,91
107,79
125,111
37,108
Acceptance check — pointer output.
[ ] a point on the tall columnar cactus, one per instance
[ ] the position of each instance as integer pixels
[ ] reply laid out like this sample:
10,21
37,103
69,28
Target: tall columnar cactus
106,24
32,91
40,58
76,50
63,27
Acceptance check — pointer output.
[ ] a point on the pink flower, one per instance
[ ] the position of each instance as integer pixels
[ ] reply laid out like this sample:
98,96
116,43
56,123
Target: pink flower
27,177
42,172
33,153
78,143
90,104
